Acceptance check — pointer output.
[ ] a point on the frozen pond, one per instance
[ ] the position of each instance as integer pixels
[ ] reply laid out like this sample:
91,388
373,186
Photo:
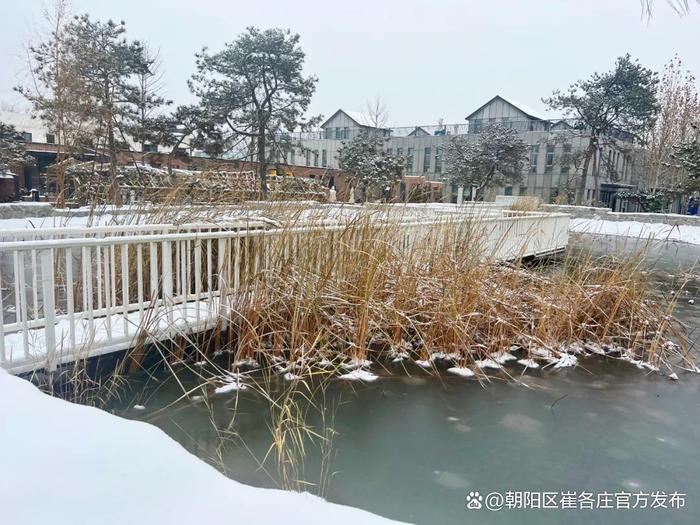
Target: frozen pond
411,448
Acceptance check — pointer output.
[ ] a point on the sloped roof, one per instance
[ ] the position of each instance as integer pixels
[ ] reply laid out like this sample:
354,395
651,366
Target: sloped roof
532,113
361,119
418,132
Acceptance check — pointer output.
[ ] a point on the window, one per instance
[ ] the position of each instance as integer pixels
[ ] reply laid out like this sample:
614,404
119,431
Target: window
324,158
399,152
390,151
438,160
426,160
316,158
534,153
329,133
409,160
508,190
566,159
549,159
346,133
339,133
475,126
523,190
308,157
27,137
50,138
146,148
292,157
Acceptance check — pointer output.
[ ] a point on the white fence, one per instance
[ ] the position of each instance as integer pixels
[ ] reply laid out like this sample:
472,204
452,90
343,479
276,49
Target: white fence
69,294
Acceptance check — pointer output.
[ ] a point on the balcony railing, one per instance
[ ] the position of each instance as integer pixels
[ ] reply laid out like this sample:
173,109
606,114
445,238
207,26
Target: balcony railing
471,126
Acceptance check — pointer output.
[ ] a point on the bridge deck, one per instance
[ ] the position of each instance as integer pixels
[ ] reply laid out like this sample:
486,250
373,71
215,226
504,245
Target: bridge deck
135,284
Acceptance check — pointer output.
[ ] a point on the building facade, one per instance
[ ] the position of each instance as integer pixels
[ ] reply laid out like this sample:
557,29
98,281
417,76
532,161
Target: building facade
556,149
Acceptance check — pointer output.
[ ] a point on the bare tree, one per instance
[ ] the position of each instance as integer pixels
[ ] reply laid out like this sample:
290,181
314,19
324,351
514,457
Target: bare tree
680,109
148,97
53,89
376,112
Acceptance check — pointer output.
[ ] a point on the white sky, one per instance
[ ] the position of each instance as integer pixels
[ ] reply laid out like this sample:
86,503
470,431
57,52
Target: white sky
427,59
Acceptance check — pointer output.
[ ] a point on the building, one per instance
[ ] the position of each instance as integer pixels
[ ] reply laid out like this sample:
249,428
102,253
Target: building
553,145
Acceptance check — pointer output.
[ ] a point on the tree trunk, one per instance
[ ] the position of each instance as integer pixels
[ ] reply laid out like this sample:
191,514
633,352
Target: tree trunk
581,190
596,177
262,163
114,184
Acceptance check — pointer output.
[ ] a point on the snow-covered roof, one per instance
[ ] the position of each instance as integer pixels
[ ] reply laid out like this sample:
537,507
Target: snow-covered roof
530,112
525,108
361,119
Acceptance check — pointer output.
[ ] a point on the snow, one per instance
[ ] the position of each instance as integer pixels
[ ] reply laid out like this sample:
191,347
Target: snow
528,363
359,375
488,363
231,387
115,471
641,230
109,334
461,371
356,363
502,357
565,361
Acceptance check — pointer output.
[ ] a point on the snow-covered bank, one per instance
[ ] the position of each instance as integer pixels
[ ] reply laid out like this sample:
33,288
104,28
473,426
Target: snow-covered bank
641,230
64,463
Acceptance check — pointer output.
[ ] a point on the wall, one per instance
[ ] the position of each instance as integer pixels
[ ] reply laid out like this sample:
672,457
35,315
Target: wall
587,212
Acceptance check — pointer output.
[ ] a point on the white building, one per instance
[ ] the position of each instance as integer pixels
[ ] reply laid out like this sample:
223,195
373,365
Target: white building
551,143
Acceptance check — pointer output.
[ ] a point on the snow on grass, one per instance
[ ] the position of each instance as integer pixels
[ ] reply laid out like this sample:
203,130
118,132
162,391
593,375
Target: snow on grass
461,371
104,458
424,363
489,363
528,363
231,387
565,361
359,374
356,363
502,357
642,230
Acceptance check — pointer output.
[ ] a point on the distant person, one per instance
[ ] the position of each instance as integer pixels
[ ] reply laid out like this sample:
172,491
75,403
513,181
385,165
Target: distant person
693,205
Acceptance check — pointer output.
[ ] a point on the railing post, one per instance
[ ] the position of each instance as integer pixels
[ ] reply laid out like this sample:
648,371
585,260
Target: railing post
47,281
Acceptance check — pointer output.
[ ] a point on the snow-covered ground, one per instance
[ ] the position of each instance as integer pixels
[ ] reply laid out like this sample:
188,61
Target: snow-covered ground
64,463
641,230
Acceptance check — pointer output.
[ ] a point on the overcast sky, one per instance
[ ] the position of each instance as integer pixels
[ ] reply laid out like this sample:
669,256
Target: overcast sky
428,59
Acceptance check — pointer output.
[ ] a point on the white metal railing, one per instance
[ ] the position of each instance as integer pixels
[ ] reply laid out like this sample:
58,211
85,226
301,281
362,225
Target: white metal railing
78,296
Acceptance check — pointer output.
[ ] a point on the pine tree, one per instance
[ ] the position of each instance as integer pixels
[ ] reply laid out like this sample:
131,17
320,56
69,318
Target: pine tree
255,92
621,102
106,65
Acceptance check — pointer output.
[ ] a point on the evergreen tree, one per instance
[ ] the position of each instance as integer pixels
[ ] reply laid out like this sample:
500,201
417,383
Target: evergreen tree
255,92
496,158
12,152
106,65
619,103
372,169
